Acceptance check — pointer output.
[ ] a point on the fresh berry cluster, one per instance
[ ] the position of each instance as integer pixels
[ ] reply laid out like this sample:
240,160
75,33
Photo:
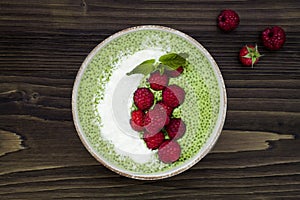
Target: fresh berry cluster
154,119
272,38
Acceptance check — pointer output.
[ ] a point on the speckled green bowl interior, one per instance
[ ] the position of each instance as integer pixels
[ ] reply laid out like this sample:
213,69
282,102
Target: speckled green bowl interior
203,110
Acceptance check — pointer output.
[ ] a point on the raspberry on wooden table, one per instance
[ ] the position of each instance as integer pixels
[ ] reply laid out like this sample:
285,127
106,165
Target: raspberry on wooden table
273,38
228,20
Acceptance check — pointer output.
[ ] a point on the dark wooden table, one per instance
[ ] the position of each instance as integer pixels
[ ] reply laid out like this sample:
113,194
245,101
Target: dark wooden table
42,45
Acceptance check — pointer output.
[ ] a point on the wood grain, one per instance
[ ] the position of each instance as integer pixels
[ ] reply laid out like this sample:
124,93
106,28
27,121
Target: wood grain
42,45
236,141
10,142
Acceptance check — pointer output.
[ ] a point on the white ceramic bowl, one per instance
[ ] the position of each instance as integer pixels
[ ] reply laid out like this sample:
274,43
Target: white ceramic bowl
204,109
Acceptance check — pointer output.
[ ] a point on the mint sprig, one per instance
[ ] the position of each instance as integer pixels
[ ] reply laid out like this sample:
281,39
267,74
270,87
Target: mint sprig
169,61
172,60
145,68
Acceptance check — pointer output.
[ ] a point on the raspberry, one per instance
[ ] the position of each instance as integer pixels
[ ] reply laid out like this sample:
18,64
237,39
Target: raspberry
137,120
174,73
164,107
153,141
273,38
249,55
143,98
155,120
176,128
158,81
169,151
173,96
228,20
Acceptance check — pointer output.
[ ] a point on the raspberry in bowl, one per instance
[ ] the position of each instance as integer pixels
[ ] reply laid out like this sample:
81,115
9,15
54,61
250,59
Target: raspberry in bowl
149,102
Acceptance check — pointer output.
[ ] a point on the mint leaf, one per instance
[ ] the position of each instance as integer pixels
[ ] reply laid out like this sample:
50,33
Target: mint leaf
172,60
145,68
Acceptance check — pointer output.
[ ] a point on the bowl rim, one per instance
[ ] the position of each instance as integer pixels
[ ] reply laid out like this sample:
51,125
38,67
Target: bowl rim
209,143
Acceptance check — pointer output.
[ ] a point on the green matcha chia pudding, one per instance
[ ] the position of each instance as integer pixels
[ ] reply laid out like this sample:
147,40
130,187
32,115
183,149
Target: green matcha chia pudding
103,101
